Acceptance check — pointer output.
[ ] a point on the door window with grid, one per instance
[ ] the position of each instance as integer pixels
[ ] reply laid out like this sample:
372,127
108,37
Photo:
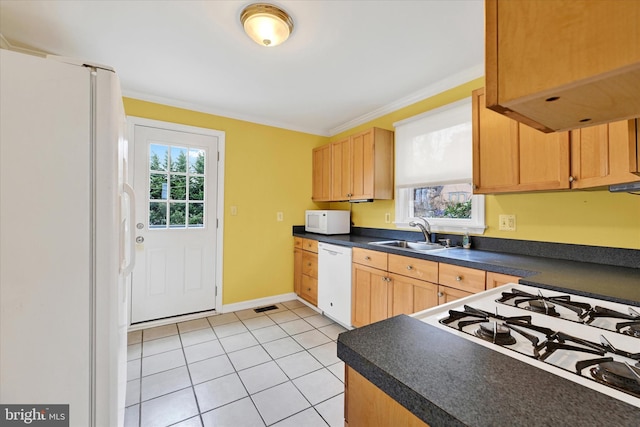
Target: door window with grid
176,187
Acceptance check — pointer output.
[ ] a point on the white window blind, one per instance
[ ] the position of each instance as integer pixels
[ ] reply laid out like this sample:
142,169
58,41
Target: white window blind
435,148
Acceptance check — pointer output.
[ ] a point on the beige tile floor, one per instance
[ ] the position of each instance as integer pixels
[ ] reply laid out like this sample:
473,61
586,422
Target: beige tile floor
241,369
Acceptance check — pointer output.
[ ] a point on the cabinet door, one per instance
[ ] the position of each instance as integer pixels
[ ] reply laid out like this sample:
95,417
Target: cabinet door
321,171
370,299
555,63
341,170
411,295
309,289
368,406
604,155
297,270
362,165
510,157
446,294
497,279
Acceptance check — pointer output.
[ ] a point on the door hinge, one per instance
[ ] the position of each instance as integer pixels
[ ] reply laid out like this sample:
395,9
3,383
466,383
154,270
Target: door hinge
218,156
216,288
216,222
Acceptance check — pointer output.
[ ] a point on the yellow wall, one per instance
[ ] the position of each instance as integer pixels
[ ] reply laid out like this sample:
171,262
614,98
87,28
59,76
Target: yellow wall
596,218
267,170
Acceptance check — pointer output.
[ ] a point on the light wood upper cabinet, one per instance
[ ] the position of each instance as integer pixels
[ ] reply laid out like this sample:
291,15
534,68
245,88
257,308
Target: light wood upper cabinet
321,166
372,165
340,169
563,64
605,154
361,167
509,156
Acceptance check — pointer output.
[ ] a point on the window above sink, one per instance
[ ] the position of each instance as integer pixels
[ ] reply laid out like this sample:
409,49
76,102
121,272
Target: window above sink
434,171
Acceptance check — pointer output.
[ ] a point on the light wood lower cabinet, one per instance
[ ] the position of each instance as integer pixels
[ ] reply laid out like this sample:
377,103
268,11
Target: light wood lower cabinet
411,295
365,405
385,285
305,269
447,294
496,279
370,289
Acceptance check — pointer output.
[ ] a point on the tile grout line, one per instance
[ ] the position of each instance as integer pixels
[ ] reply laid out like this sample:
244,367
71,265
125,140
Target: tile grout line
259,344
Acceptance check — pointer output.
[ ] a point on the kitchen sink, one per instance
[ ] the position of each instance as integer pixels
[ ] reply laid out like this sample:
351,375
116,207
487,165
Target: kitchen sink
410,246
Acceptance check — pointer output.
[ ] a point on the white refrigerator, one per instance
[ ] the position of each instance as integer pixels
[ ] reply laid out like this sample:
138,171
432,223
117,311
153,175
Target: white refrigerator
65,237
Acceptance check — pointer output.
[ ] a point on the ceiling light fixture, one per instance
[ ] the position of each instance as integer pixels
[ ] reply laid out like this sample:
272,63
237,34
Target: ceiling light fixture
266,24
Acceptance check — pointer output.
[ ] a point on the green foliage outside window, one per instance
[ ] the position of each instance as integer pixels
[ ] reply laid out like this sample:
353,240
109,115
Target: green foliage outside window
183,190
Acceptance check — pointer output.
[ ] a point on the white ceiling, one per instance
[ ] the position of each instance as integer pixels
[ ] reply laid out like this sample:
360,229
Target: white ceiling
346,61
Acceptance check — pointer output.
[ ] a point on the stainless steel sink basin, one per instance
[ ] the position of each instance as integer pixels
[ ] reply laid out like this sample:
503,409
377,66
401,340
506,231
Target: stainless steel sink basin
411,246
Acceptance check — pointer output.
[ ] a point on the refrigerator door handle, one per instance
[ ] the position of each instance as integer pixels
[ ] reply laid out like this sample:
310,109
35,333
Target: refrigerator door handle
128,190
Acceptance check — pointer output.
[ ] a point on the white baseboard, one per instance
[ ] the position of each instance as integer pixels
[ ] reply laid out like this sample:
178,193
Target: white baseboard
227,308
170,320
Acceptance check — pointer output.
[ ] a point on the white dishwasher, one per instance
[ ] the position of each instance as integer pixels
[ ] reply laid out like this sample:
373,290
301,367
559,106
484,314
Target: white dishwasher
334,282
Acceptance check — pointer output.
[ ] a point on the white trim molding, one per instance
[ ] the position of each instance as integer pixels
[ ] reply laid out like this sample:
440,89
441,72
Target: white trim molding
132,121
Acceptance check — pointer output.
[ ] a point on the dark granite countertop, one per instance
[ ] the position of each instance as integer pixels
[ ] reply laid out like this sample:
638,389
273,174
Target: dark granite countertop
619,283
446,380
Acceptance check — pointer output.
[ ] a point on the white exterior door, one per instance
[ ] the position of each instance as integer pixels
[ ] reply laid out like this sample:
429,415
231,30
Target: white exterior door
175,180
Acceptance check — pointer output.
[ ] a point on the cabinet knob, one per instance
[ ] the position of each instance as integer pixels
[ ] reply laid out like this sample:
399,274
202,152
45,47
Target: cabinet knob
459,278
367,258
440,294
309,289
409,267
308,264
571,178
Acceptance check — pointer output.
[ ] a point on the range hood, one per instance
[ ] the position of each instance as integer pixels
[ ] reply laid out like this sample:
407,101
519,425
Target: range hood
627,187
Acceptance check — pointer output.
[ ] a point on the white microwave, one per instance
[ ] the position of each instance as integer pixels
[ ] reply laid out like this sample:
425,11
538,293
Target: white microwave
328,222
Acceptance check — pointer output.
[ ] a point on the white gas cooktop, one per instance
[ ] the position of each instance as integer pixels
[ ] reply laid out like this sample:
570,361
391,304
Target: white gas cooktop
592,342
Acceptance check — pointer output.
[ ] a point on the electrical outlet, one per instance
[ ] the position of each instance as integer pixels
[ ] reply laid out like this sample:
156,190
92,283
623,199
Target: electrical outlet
234,210
507,222
280,217
387,218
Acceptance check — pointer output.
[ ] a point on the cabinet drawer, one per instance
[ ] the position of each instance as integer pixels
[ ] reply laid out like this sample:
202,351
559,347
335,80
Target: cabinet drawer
309,289
310,245
462,278
373,259
413,267
297,242
310,264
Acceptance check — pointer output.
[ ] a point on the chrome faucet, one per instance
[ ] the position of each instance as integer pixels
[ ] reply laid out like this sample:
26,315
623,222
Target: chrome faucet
426,228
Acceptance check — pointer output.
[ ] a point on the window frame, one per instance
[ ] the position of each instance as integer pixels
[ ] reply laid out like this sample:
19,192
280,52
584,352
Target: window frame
475,225
403,199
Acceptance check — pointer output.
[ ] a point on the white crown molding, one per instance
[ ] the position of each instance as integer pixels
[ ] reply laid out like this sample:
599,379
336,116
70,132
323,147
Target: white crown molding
429,91
208,110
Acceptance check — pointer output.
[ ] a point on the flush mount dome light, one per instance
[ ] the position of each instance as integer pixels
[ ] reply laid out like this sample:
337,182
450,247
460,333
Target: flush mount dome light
266,24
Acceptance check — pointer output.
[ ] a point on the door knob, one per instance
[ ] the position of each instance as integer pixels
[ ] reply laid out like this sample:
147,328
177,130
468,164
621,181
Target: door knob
139,239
